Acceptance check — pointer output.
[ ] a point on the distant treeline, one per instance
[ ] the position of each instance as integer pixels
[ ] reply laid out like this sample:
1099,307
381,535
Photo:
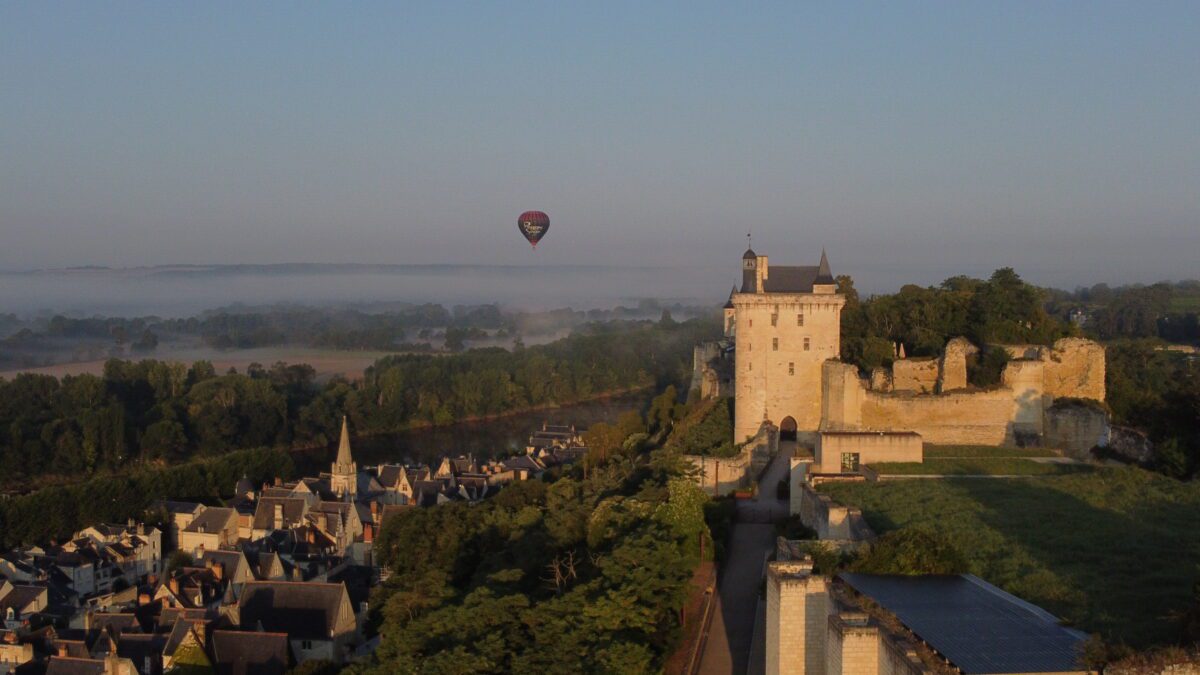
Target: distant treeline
62,510
157,411
1170,311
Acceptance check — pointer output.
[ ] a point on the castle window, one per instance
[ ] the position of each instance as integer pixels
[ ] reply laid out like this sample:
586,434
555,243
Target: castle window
850,462
774,319
749,346
791,368
805,344
774,344
799,319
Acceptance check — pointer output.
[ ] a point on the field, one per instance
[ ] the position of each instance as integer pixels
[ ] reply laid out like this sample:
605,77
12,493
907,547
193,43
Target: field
983,466
1114,550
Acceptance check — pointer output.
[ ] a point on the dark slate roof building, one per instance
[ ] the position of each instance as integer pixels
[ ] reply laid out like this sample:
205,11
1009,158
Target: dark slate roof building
250,653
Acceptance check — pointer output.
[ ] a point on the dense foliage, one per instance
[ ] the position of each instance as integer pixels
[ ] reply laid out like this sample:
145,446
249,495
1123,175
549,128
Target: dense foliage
1003,309
578,575
707,429
1157,391
152,411
59,511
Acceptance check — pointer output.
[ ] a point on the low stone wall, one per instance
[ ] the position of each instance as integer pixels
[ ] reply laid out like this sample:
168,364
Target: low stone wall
831,520
720,476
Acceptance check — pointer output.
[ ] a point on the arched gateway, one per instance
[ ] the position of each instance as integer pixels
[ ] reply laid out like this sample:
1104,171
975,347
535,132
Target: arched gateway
787,429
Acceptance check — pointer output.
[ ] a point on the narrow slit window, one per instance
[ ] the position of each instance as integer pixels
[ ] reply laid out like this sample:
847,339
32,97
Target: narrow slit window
806,344
791,368
774,344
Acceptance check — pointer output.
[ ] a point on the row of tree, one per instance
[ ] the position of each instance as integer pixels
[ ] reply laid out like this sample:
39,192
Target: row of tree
153,411
1002,309
567,576
55,512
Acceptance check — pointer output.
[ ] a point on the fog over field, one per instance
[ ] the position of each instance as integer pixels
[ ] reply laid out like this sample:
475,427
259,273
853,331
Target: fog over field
187,290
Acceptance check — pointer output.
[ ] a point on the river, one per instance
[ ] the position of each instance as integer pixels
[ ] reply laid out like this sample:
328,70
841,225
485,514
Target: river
495,438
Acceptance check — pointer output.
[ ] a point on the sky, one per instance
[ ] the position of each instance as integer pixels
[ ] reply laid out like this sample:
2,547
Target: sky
913,140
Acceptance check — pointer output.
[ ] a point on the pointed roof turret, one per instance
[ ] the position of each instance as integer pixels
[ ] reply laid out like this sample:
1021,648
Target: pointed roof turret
729,302
343,456
824,275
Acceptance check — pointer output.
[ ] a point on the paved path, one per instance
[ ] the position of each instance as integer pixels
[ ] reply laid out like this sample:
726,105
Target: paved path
732,635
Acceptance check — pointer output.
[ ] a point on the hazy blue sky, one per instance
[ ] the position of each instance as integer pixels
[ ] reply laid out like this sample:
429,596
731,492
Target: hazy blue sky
913,140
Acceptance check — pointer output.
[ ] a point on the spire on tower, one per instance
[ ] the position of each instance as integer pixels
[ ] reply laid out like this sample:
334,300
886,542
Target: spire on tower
824,275
343,456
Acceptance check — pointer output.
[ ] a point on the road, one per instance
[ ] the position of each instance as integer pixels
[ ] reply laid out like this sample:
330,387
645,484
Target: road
732,635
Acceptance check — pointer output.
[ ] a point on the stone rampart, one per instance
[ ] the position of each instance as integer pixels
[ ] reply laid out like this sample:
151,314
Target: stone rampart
719,476
831,520
1076,428
869,446
1075,368
952,368
915,375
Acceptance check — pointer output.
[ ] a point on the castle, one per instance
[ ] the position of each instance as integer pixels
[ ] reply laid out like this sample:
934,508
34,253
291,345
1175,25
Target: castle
780,360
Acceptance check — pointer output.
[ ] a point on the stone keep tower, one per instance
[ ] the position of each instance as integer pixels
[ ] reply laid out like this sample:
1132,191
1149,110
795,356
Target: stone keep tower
787,322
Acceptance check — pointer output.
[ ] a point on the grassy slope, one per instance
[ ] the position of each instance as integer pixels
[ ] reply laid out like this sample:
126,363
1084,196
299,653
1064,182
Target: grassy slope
1114,550
932,451
984,466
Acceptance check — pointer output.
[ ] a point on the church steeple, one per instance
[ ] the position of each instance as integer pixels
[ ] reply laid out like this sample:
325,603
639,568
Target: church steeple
343,457
344,479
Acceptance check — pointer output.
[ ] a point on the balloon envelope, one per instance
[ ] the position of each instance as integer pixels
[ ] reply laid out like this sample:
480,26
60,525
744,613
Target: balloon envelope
533,225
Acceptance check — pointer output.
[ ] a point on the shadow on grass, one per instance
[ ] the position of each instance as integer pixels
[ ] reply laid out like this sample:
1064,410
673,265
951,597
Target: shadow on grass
1114,551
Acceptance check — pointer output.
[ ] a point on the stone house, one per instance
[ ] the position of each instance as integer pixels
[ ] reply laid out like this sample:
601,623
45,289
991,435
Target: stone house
214,528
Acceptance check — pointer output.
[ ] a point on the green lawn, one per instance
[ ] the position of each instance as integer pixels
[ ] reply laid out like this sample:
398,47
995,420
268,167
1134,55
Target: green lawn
1114,550
984,466
983,451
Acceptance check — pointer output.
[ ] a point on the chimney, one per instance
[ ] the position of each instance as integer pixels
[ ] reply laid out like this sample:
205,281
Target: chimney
279,516
369,532
143,599
173,584
208,563
278,481
62,649
375,510
218,571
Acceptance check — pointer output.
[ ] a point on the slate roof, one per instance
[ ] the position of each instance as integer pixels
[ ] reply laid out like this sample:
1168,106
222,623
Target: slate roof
790,279
249,653
20,597
264,515
974,625
231,560
389,475
305,611
137,647
211,520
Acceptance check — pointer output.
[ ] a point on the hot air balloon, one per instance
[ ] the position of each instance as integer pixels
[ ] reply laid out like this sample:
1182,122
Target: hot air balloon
533,225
